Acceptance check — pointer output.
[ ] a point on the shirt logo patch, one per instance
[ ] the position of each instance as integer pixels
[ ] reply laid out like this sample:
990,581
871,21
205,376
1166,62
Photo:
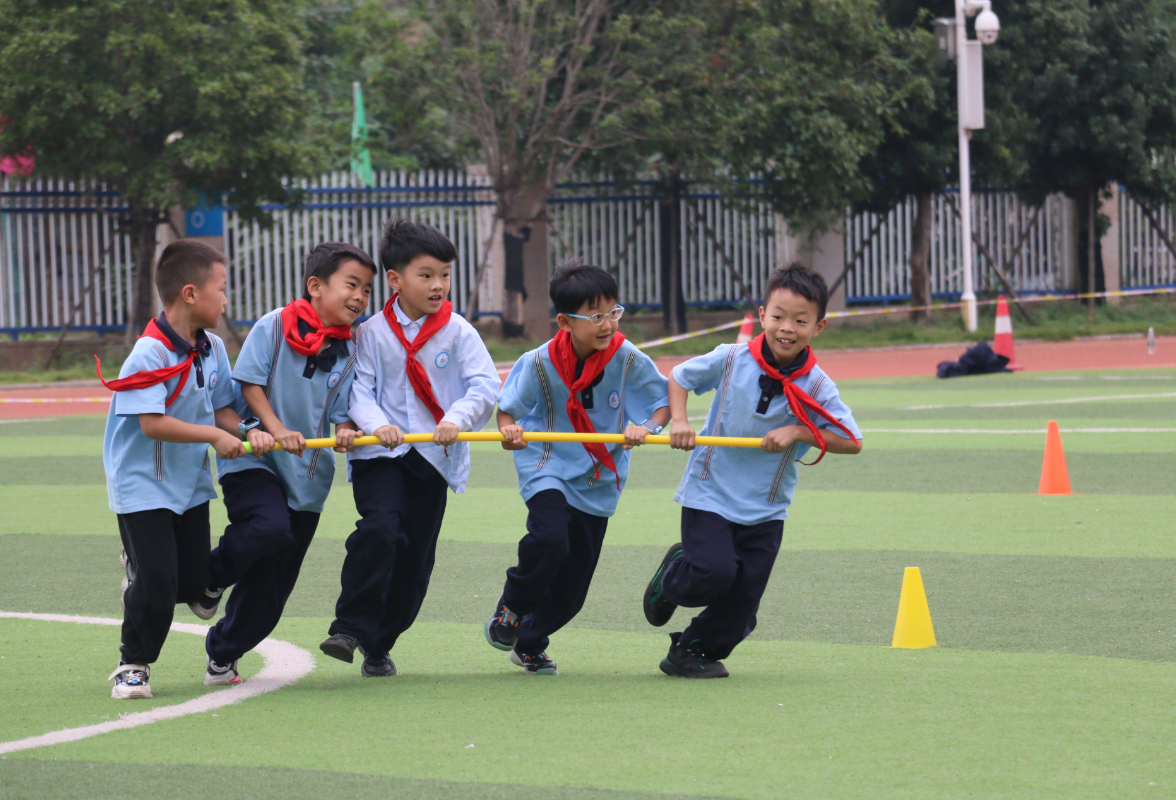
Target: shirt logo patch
212,380
614,400
442,360
333,381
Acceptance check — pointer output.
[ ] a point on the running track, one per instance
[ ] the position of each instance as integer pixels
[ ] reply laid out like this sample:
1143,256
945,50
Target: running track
60,401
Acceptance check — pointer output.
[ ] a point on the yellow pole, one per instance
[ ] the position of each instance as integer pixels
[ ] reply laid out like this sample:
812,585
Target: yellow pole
542,436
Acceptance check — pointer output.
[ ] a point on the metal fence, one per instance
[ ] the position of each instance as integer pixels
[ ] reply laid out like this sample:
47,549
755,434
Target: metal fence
1030,244
1145,259
267,263
62,261
617,226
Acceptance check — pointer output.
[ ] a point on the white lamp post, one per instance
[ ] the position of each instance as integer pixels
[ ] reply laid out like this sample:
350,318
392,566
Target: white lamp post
952,40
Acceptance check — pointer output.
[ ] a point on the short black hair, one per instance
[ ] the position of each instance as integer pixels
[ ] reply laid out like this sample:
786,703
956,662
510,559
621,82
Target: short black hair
325,260
575,284
798,278
184,262
406,239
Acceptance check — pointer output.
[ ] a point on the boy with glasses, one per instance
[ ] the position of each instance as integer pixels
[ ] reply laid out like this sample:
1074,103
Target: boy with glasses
587,379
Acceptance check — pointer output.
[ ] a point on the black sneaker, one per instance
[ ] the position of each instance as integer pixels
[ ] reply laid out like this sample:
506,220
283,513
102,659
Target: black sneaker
502,629
341,646
658,609
206,606
378,667
221,674
689,661
534,665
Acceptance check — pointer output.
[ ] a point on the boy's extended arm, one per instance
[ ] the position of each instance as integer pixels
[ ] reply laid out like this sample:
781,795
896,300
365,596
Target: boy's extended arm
681,434
778,440
169,429
291,441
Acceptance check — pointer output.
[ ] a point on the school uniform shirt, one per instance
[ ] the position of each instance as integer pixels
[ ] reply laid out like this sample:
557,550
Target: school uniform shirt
465,383
747,485
630,390
143,473
308,394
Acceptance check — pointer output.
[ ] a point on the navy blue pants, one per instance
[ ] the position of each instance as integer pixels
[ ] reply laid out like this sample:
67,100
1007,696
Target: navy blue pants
168,557
724,566
557,558
260,556
390,556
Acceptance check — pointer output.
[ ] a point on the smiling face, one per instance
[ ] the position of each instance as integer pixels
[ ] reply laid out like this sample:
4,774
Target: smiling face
344,296
207,301
423,286
790,321
586,337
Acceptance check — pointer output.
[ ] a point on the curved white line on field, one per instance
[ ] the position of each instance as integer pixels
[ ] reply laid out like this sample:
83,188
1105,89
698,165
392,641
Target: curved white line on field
285,664
1047,402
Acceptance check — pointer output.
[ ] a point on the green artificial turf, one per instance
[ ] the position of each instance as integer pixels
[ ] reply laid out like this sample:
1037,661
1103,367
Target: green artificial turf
794,720
1054,674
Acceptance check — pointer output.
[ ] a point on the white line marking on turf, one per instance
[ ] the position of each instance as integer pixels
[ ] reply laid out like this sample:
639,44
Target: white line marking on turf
285,664
28,419
1023,430
1047,402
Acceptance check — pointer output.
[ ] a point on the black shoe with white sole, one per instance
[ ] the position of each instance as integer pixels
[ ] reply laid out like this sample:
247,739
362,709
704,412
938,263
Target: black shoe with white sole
502,629
221,674
657,608
378,667
690,661
131,682
534,665
341,646
206,606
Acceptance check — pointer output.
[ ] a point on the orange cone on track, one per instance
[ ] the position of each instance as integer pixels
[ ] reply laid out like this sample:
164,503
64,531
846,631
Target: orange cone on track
1002,339
1055,479
745,330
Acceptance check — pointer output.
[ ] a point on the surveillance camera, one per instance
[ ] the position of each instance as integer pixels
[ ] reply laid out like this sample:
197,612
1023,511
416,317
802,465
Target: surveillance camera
987,27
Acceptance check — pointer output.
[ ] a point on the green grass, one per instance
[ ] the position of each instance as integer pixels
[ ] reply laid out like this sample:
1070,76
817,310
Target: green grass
1054,675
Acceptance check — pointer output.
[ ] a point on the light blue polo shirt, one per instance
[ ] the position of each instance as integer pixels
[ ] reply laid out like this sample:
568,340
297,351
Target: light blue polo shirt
630,390
144,474
307,405
747,485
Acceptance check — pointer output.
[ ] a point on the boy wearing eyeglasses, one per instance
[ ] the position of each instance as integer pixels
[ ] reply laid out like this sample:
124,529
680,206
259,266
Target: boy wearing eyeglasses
587,379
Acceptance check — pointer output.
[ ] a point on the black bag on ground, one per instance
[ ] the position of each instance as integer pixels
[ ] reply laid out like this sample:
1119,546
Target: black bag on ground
976,360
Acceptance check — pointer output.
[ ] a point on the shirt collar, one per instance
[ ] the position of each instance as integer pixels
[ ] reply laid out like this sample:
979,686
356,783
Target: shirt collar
403,319
179,343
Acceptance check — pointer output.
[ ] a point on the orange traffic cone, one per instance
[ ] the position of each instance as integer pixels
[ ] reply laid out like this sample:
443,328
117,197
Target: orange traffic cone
745,330
1055,479
1002,340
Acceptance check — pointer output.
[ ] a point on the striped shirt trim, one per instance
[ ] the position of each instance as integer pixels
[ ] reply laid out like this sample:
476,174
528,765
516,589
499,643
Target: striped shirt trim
629,362
724,385
323,418
549,409
786,460
273,371
205,465
158,458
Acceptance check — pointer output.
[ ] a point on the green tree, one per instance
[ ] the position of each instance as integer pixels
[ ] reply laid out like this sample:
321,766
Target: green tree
161,101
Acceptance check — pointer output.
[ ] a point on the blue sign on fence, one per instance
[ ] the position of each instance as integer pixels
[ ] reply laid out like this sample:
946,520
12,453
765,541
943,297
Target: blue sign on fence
205,220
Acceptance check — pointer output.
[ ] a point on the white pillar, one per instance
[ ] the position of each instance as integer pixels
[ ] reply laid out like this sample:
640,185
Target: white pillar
968,297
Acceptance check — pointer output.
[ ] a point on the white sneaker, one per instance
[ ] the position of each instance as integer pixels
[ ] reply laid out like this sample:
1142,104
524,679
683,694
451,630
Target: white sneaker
206,607
221,674
131,682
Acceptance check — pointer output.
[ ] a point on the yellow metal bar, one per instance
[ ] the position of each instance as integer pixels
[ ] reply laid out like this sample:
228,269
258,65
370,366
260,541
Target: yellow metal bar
540,436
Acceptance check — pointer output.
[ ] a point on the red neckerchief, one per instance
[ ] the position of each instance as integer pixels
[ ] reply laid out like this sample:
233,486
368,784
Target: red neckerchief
151,377
416,370
798,399
564,359
309,344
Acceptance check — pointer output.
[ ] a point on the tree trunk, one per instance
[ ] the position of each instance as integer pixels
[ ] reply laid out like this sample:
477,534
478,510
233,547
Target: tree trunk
920,257
670,239
142,225
526,311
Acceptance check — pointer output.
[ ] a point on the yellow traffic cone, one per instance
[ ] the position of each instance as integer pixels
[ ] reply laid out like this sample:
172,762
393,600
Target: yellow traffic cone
913,627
